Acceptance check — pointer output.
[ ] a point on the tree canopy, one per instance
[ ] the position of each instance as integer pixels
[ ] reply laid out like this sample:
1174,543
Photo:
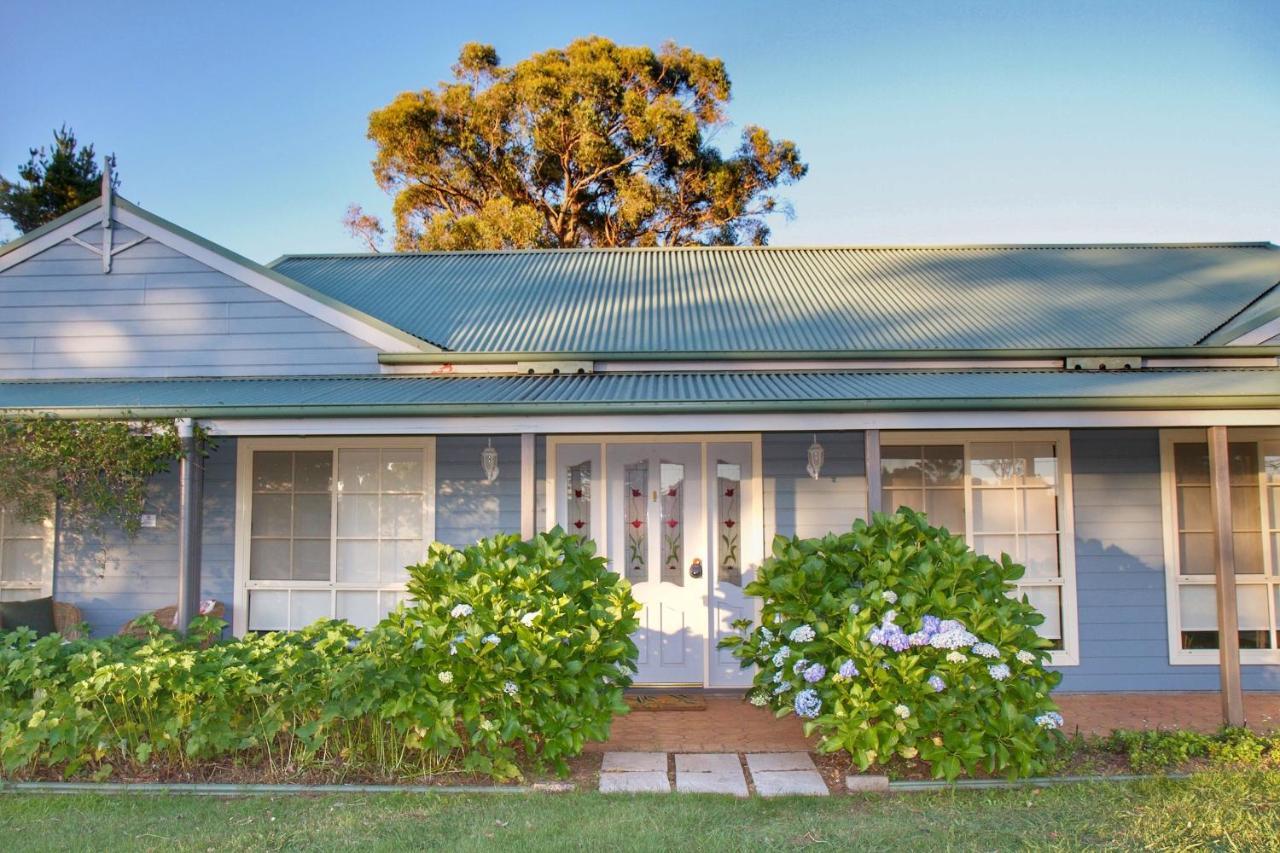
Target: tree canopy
52,182
595,144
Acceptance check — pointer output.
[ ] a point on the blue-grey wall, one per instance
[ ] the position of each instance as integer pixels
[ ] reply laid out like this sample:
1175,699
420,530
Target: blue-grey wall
1120,579
795,504
113,579
468,508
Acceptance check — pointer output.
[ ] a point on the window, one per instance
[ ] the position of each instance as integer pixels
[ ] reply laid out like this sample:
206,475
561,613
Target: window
1254,473
329,527
26,557
1005,493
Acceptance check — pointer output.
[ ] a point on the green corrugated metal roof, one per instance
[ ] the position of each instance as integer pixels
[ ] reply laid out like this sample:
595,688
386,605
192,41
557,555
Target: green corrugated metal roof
789,299
655,392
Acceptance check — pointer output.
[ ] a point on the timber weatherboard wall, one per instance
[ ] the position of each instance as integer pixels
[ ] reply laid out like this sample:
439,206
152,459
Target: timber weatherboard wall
157,313
795,504
1120,573
112,579
468,508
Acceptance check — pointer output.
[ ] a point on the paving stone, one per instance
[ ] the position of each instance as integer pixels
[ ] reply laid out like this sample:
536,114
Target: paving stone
635,782
635,761
708,762
712,783
784,783
862,783
763,762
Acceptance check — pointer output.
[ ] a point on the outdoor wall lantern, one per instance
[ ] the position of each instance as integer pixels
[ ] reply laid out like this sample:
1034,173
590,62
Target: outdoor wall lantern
816,456
489,462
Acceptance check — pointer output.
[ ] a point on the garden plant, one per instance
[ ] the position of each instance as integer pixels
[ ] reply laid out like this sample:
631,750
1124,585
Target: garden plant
512,654
896,639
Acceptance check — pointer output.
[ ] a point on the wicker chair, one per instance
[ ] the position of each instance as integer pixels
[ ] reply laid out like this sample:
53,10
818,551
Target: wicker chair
166,617
67,619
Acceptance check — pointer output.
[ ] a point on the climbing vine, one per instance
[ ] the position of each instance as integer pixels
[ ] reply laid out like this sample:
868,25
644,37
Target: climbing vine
96,471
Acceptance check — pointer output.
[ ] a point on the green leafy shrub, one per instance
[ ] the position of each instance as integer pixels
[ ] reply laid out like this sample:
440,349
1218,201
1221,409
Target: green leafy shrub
514,650
896,639
1155,750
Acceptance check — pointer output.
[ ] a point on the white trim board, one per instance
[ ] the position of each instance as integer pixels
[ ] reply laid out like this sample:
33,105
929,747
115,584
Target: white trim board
785,422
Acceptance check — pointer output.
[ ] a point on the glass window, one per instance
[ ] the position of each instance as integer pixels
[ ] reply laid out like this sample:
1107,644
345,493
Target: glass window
26,556
1002,496
635,519
1254,473
578,499
729,517
671,517
332,532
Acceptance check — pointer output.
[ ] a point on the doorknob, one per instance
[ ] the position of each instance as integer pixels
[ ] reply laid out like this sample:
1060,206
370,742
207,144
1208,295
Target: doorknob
695,568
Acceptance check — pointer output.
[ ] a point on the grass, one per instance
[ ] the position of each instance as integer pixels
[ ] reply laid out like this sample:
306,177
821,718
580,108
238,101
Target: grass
1213,810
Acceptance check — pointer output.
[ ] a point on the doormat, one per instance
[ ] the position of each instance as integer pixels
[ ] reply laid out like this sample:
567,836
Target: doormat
666,702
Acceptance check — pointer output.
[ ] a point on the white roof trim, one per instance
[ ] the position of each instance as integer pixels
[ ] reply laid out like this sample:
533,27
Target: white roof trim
1258,336
66,231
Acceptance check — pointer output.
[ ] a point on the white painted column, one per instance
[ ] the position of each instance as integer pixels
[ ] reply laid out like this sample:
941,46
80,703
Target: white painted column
190,523
528,495
1224,565
874,496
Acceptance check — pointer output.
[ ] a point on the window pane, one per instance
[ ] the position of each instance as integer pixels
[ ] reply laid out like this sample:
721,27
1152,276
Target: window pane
994,546
268,610
636,521
272,515
578,499
313,471
1039,510
944,465
1243,463
1246,509
358,516
306,607
1274,507
900,466
993,510
269,559
1048,601
1199,607
671,517
357,561
945,508
388,601
1248,553
1251,607
396,555
913,498
16,529
358,470
1040,556
1037,463
358,608
311,515
1191,464
992,464
401,516
311,559
22,560
729,521
1195,512
1195,553
272,471
402,470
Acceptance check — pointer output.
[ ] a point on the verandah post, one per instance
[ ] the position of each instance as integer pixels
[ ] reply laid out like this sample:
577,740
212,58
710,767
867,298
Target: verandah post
1224,565
871,443
527,492
190,523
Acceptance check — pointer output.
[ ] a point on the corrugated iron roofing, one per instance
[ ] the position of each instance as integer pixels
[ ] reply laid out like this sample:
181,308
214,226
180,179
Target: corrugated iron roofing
569,394
799,299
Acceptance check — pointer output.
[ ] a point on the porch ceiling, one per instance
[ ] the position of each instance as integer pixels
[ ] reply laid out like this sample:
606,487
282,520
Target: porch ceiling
656,393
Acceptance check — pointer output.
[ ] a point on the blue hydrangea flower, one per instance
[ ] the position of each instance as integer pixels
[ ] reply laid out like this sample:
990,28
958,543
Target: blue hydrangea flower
803,634
999,671
898,641
889,596
808,704
814,673
854,609
781,688
767,634
460,610
1026,657
510,688
848,669
948,625
492,639
952,638
781,655
798,665
937,683
777,677
1049,720
919,638
985,650
930,624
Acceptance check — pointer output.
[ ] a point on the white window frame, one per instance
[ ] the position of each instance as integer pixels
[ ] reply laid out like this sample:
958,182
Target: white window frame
1174,580
245,449
42,588
1069,654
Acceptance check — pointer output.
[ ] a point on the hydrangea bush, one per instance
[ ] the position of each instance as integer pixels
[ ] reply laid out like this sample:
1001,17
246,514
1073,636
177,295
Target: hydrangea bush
896,639
513,652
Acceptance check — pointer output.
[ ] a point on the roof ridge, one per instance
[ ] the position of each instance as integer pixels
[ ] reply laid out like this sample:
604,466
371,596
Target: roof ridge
852,247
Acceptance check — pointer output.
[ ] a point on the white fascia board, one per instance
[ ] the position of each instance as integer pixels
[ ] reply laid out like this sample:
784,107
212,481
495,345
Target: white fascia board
798,422
290,295
1260,335
47,241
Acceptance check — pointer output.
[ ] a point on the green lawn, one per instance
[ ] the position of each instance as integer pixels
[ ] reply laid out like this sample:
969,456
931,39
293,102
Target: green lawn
1214,810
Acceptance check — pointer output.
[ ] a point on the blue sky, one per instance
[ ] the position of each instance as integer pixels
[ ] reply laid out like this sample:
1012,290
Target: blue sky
922,122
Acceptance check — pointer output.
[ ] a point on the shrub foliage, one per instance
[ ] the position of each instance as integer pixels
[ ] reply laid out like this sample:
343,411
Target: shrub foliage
514,652
896,639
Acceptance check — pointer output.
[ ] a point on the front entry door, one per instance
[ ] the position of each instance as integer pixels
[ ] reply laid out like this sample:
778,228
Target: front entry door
657,540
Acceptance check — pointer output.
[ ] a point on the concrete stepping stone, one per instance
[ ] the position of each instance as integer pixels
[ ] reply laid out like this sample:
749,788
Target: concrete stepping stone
710,773
634,773
783,774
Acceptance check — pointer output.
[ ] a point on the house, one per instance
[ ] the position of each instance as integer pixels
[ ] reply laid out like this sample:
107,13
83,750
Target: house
680,406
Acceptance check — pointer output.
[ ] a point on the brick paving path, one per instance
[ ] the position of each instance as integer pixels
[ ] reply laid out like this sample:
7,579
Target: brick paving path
731,725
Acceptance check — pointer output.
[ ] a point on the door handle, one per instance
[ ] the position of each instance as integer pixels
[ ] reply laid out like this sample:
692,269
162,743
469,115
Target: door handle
695,568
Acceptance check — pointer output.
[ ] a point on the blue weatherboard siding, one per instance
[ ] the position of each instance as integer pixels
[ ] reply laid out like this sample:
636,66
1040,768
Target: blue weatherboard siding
468,508
797,505
1120,574
113,579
